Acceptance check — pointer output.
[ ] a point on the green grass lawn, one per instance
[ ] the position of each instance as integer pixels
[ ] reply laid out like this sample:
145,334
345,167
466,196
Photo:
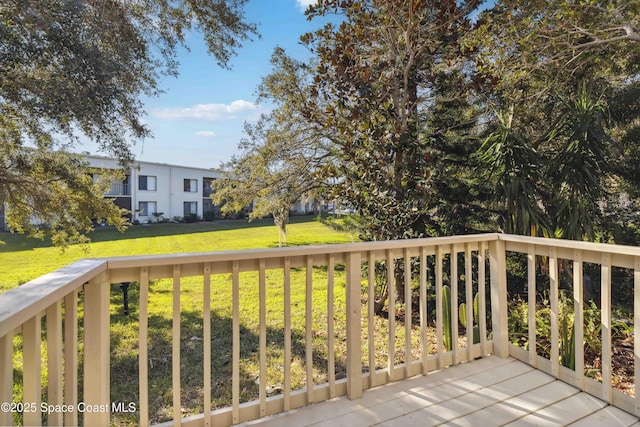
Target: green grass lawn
23,259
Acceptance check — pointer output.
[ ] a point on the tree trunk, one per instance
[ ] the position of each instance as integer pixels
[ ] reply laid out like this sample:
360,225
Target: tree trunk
280,219
282,237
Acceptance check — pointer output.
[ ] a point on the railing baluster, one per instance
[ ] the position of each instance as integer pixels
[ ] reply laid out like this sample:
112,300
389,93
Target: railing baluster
143,346
308,351
175,347
371,301
354,326
636,328
330,321
531,303
391,289
71,357
553,302
498,270
235,355
605,292
578,324
206,342
96,348
262,284
439,309
407,314
54,361
468,276
62,334
6,376
482,303
453,282
32,369
423,310
287,334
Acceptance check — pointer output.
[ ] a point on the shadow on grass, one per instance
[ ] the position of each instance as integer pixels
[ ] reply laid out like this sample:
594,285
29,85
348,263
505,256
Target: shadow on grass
125,367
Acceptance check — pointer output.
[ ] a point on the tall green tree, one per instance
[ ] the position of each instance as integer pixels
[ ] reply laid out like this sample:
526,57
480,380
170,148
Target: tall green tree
272,172
582,166
79,67
558,68
281,160
375,86
457,190
511,160
374,77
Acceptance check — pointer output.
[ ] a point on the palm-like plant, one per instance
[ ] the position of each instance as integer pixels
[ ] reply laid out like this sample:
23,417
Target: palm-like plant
581,165
514,163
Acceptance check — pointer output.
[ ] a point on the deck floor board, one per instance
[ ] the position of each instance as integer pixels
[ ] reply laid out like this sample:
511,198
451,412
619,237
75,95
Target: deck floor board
488,392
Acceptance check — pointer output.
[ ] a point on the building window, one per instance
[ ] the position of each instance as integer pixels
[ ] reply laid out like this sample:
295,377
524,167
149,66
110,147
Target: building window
191,185
190,208
147,208
147,183
207,189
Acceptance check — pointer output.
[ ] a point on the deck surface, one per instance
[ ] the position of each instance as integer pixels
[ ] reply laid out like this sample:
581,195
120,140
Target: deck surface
486,392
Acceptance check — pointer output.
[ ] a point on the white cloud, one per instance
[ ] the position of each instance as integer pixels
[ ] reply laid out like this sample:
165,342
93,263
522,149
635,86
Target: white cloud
205,133
304,4
209,112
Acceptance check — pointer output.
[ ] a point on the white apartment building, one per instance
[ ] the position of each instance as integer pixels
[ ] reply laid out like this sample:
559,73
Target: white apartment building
148,188
172,190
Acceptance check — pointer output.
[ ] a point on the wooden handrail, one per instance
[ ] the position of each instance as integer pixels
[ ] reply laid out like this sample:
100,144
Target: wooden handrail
54,298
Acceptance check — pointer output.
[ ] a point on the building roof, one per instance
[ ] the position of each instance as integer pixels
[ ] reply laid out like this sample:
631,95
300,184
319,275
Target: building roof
142,162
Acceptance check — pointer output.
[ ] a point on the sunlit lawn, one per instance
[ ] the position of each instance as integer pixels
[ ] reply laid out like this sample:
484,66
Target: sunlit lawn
23,259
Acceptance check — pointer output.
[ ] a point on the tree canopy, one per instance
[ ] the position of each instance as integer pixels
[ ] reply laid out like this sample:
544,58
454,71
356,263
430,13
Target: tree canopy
282,159
79,67
441,117
559,74
379,75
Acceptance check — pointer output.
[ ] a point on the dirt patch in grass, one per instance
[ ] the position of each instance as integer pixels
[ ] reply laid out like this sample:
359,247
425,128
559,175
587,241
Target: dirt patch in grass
622,366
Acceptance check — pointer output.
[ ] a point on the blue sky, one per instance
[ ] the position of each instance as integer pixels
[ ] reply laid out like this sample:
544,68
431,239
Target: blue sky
199,119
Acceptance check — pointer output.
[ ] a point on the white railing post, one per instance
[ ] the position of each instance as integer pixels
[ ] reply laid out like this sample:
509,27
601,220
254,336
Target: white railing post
354,327
143,349
554,313
6,376
70,393
32,370
330,328
498,270
175,347
440,349
578,324
531,303
96,351
636,327
371,327
391,289
605,319
54,361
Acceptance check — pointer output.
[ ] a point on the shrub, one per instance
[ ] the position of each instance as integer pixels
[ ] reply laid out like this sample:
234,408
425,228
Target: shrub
191,218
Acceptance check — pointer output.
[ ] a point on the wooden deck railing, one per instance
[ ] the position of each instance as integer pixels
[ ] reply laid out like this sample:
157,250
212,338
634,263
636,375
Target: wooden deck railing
67,312
570,259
